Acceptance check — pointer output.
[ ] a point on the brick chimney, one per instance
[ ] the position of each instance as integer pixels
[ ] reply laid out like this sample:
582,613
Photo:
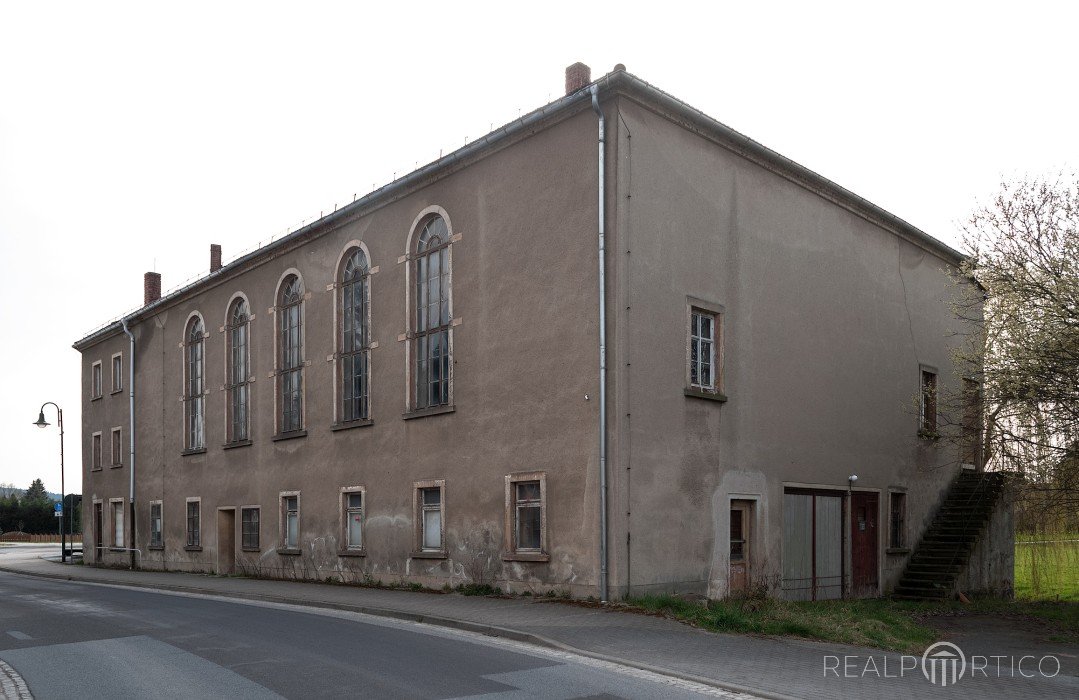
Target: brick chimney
577,76
151,287
215,257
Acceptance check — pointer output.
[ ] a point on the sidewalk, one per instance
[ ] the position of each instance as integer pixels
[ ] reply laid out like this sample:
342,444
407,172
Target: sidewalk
767,667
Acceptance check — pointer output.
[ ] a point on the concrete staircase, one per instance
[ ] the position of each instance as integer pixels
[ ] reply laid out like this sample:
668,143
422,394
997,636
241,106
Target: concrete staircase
947,543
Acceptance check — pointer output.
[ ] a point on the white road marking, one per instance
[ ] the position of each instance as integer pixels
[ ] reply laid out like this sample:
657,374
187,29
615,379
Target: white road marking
19,635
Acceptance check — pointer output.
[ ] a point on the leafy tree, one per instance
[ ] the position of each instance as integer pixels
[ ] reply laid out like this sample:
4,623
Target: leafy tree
1022,344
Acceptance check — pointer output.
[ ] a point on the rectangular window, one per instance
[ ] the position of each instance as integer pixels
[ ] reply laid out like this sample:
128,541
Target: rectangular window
155,525
95,380
95,451
430,506
117,448
194,526
290,510
117,523
249,528
704,356
898,522
972,423
526,515
353,504
117,372
929,404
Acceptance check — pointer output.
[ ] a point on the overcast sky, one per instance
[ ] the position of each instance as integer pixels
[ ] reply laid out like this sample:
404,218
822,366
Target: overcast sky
133,135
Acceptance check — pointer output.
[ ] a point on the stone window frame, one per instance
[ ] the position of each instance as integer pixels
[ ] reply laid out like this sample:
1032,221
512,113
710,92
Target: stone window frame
95,451
716,391
419,552
96,380
244,546
113,545
283,543
902,546
116,447
368,344
192,397
193,540
278,372
117,375
160,544
510,552
409,337
232,384
928,402
345,549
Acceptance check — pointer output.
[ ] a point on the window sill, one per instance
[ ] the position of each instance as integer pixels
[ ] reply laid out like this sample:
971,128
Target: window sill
526,556
235,444
348,425
195,451
117,549
114,392
361,552
898,550
250,549
95,469
292,434
193,548
425,412
288,551
115,466
96,398
156,548
428,554
697,393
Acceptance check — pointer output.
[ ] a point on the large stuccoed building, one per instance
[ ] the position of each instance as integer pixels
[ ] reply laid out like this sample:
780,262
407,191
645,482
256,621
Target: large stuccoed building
410,388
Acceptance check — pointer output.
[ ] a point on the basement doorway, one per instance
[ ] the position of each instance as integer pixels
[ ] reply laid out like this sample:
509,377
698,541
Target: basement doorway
741,540
812,544
864,540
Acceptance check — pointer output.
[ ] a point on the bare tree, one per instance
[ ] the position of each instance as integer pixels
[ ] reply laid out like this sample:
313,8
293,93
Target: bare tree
1022,349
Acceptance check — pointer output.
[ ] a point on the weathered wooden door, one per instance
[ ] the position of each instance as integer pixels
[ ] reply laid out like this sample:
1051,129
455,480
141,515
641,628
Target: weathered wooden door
864,544
740,546
226,541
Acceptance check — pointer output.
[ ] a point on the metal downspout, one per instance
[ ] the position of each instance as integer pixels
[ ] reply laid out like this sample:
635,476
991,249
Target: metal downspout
131,433
602,356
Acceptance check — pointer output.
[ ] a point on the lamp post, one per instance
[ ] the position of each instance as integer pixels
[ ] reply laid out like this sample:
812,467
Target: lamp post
64,515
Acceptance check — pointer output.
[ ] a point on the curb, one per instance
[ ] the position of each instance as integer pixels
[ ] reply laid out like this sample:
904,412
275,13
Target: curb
436,620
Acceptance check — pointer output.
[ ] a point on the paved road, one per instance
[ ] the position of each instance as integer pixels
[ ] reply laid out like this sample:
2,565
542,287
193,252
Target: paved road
71,639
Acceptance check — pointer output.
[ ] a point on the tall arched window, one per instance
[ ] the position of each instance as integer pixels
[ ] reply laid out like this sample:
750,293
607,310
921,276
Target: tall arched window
194,386
431,316
290,354
238,370
355,352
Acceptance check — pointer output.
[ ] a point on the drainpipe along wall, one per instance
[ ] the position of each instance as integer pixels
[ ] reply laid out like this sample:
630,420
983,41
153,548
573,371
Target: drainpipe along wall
131,434
602,356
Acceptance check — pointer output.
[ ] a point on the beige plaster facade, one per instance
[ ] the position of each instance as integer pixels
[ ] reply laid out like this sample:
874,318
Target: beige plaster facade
827,309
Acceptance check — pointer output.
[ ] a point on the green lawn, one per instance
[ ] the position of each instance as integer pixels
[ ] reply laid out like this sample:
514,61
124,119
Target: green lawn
1047,567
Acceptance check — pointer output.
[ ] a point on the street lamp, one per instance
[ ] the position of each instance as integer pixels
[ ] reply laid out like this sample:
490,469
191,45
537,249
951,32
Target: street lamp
41,423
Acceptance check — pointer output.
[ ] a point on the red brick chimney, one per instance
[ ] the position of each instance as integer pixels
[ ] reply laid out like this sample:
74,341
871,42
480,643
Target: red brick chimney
577,76
151,287
215,257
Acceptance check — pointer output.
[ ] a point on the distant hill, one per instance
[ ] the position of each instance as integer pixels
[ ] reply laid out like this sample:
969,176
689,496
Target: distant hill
8,490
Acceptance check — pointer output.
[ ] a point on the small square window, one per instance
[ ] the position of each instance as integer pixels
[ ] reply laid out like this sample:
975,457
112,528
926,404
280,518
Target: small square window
155,525
194,525
897,531
290,512
249,528
117,372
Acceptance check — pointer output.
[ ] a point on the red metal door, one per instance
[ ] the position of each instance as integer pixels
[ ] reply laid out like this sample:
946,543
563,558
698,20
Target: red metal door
864,544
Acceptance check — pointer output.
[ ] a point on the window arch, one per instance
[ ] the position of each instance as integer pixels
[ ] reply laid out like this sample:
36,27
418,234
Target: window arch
238,369
194,384
431,316
290,355
354,356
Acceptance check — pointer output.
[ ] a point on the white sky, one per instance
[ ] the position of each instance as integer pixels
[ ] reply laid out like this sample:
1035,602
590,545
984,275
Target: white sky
133,135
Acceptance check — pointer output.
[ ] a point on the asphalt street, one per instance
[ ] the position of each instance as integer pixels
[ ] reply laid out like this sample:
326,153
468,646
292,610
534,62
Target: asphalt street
81,640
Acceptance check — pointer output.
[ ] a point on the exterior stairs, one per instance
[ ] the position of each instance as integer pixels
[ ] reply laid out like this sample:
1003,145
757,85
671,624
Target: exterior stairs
948,542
